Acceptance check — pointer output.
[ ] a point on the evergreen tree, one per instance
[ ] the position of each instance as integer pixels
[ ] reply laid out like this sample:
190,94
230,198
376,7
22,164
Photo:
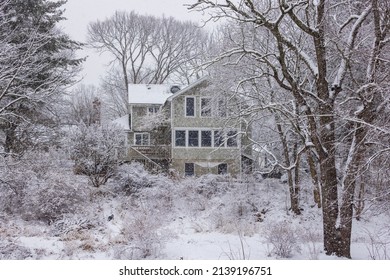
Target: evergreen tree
37,62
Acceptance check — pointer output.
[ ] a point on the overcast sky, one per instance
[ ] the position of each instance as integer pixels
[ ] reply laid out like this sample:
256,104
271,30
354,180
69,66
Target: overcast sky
80,12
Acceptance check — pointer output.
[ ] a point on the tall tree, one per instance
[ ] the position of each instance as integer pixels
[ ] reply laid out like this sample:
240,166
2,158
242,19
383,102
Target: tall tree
147,49
37,61
312,51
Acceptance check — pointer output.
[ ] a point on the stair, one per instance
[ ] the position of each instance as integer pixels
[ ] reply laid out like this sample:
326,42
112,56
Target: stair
147,162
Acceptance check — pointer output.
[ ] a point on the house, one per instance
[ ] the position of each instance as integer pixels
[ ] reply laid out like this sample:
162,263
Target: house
185,129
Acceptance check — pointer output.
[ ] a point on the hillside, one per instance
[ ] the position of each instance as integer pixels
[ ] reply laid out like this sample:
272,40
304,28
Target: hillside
138,215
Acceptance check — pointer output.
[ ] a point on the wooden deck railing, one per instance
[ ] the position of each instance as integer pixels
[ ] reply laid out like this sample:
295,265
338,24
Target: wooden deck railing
152,152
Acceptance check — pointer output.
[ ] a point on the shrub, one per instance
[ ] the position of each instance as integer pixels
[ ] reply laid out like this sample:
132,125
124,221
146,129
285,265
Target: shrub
29,192
282,237
97,151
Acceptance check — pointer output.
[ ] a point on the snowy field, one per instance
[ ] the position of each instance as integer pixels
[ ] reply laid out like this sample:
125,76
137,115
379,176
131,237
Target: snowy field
143,216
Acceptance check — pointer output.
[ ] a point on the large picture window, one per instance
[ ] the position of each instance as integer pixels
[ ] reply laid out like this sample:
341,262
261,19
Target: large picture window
180,138
190,106
193,138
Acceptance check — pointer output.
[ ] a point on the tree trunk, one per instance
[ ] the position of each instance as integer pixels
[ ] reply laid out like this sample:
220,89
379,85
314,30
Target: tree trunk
328,180
314,178
330,208
293,188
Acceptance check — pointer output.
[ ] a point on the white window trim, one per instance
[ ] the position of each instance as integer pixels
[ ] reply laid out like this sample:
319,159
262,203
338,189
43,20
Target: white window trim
211,107
227,168
185,138
193,167
188,138
185,106
141,133
154,108
212,138
212,129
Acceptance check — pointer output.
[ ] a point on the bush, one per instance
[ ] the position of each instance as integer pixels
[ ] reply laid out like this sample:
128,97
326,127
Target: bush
131,178
282,237
97,151
35,191
141,235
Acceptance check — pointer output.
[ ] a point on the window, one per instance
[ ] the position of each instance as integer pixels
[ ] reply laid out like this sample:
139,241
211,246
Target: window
190,106
142,139
218,138
153,110
189,169
180,138
221,107
206,138
222,168
193,138
232,139
205,107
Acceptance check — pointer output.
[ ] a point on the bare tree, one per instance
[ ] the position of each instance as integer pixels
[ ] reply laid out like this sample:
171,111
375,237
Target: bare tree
85,105
114,95
147,49
310,51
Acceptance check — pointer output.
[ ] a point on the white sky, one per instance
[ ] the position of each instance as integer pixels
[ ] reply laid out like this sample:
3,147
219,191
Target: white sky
81,12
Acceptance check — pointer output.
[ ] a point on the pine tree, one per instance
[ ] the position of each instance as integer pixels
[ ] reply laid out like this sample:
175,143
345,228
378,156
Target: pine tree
37,62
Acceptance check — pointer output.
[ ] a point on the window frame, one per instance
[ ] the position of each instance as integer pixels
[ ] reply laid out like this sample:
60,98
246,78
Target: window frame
223,171
153,110
142,138
184,140
201,138
208,110
232,135
191,172
189,138
193,107
221,110
218,135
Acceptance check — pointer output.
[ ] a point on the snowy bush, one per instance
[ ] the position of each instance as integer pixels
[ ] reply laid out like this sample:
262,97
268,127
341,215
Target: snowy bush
34,191
378,244
72,223
52,198
141,233
10,250
311,240
97,151
281,235
130,178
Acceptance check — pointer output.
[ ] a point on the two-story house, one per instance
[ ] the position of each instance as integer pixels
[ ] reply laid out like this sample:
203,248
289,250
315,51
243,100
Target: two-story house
188,130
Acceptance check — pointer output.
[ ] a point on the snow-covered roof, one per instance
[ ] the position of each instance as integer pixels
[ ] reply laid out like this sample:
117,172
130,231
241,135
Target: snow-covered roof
149,94
185,89
123,122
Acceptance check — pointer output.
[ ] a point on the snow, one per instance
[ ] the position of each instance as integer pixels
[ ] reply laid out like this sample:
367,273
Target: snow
149,93
207,218
123,122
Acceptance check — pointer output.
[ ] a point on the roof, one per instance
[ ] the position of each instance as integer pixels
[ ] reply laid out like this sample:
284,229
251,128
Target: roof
185,89
149,94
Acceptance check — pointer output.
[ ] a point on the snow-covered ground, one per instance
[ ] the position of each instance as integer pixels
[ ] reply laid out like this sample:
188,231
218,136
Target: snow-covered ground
202,218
